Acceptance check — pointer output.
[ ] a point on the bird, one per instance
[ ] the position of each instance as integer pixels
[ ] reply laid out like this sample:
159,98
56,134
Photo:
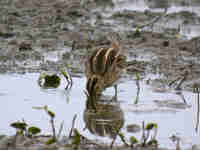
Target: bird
103,68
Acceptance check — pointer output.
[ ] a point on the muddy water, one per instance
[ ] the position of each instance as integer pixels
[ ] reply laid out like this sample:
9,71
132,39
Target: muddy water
20,93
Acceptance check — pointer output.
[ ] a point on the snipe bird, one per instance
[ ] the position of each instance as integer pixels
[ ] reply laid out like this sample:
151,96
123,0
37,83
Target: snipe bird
103,68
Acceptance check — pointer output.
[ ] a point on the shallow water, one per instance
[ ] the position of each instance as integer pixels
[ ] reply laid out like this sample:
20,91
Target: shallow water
19,93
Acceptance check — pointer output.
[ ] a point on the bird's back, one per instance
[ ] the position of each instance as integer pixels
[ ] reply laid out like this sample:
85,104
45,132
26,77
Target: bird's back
104,61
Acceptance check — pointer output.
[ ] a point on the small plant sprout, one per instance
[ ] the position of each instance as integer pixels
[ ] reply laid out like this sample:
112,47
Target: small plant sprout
117,128
67,77
73,124
146,134
137,32
33,131
51,114
133,141
175,139
50,141
77,137
122,137
20,130
196,89
152,126
20,127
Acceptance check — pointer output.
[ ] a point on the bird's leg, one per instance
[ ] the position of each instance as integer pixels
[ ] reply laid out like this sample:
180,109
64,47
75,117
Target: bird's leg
115,96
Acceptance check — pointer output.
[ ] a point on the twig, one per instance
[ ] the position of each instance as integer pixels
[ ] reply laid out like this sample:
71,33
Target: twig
178,144
174,81
182,80
144,135
117,133
89,142
123,139
197,124
113,141
182,97
53,127
73,45
72,128
154,20
131,63
68,78
176,139
143,131
60,129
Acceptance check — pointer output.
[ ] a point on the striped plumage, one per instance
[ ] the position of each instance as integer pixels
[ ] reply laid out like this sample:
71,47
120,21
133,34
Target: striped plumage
103,69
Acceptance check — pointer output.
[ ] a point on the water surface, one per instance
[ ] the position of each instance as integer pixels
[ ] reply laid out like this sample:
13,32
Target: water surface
19,93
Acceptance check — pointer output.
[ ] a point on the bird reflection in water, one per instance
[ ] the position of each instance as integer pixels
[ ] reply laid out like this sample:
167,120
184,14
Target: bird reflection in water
105,120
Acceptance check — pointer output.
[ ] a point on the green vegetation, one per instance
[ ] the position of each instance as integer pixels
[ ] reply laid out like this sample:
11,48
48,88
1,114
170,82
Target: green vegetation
23,129
53,81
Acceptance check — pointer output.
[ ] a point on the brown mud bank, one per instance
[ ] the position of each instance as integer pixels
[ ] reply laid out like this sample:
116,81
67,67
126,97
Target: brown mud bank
38,143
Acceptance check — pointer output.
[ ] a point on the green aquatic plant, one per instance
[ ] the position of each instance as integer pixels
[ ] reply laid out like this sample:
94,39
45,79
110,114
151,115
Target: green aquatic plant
133,141
23,129
50,141
68,77
54,80
122,137
49,81
117,129
51,114
20,130
33,130
137,33
77,137
146,140
20,127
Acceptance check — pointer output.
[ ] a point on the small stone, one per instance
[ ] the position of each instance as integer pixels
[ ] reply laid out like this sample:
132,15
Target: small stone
133,128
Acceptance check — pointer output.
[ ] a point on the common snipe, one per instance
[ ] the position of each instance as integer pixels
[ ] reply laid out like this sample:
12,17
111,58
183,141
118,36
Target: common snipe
103,68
